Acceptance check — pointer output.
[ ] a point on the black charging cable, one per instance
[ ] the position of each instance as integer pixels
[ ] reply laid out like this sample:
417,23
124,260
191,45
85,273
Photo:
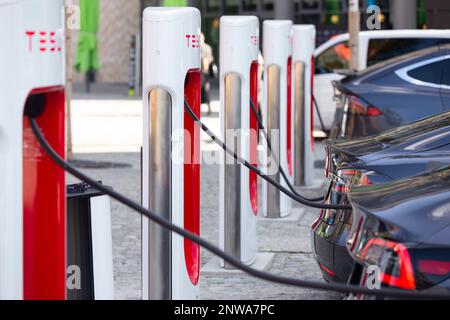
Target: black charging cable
258,172
280,168
343,288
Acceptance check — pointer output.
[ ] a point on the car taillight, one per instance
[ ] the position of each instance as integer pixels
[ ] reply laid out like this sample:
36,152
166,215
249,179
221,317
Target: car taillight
347,178
393,260
341,188
354,235
327,270
318,219
355,177
373,111
435,268
359,107
432,266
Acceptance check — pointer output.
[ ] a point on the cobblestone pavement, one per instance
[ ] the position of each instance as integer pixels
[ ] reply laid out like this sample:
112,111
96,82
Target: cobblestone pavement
95,120
288,240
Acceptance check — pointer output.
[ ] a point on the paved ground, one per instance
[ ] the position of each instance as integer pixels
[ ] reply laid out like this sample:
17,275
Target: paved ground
288,240
108,128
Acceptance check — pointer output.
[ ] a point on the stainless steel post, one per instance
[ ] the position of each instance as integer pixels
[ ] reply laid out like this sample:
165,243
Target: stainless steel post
232,236
273,124
159,194
299,123
404,14
171,185
284,9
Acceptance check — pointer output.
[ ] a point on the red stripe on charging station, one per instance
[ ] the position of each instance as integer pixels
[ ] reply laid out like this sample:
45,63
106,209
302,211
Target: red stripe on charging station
313,66
253,178
192,92
289,115
44,204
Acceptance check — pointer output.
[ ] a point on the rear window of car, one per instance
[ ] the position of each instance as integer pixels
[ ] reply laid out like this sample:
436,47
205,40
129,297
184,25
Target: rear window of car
431,73
384,49
446,75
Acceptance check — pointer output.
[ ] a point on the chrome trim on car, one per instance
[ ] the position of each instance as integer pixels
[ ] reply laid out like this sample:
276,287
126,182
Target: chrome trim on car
335,178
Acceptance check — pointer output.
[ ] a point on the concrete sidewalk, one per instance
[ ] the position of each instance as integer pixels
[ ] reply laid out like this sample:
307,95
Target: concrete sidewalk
115,125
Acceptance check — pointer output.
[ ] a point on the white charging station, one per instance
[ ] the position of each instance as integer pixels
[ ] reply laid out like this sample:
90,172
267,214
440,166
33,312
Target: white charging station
304,40
239,45
89,244
32,187
277,112
171,185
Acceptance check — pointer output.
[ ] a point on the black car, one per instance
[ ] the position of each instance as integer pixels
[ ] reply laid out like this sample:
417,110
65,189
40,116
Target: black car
403,152
402,229
392,93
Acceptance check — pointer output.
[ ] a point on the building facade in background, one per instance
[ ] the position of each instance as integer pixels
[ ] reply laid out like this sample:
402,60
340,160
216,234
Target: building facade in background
121,19
329,16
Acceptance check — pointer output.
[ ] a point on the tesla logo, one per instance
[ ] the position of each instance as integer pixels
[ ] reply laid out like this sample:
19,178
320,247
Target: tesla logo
43,41
193,41
254,40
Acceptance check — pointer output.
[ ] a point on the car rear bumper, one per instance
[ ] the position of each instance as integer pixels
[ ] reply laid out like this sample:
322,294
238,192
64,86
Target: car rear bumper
330,251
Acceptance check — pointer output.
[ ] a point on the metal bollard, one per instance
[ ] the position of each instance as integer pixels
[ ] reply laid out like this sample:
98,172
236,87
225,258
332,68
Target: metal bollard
239,36
304,37
171,186
277,48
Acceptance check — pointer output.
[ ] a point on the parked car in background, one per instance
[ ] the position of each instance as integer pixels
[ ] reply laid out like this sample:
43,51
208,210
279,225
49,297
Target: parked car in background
400,153
374,47
392,93
403,229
